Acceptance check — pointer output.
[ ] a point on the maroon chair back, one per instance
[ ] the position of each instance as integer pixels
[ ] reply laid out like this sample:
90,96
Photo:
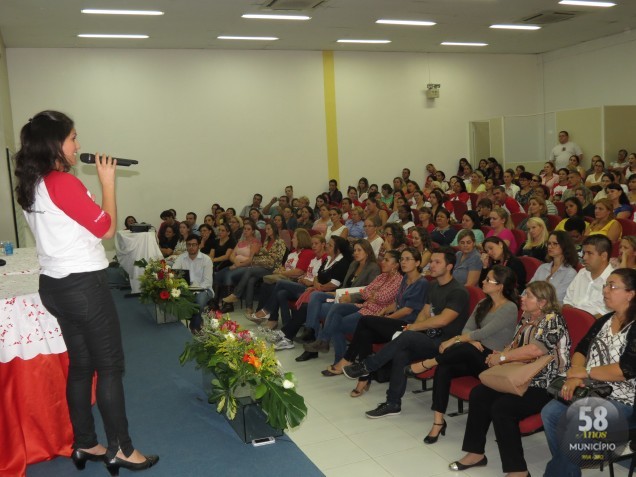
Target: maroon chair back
530,264
578,322
629,226
459,209
560,207
285,236
517,217
475,294
553,221
616,249
474,198
520,237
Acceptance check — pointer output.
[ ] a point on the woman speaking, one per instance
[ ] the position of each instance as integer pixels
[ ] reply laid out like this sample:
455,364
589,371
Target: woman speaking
68,227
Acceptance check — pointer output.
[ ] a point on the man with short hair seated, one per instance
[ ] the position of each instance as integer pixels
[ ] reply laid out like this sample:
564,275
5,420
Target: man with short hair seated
200,267
443,316
504,201
586,290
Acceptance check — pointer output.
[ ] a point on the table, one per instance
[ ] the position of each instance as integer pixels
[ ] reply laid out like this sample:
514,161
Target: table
132,247
33,371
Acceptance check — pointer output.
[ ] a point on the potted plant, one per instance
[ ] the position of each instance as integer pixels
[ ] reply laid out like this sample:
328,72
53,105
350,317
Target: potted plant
162,286
243,363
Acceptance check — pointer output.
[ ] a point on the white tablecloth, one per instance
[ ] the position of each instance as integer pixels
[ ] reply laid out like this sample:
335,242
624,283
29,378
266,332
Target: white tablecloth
24,261
132,247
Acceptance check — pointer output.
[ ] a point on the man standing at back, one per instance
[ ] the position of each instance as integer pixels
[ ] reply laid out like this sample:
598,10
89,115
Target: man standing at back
443,317
561,153
586,290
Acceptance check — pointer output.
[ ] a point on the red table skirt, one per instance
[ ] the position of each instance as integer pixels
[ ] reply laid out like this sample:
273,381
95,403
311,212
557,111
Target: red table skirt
34,420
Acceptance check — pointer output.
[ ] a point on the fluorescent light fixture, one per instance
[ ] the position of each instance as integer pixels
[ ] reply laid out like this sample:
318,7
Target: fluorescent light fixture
95,11
516,27
264,16
405,22
100,35
584,3
347,40
457,43
257,38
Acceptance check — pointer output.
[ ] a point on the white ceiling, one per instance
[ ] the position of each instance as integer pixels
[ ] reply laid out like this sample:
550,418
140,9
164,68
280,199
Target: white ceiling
197,23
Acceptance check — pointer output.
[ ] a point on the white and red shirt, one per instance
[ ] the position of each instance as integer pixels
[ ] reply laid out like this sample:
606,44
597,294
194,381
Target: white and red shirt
67,225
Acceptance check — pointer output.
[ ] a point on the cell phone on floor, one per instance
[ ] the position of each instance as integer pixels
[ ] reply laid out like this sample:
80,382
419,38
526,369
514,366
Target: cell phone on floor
263,441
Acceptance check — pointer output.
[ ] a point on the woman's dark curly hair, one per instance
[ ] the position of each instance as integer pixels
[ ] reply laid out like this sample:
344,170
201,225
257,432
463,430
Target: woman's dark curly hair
41,141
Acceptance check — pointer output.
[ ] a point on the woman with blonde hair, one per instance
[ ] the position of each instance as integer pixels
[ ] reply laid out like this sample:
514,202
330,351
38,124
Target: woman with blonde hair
604,222
536,245
476,183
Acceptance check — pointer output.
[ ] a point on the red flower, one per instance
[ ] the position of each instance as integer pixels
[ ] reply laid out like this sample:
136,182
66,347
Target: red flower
164,294
160,275
246,358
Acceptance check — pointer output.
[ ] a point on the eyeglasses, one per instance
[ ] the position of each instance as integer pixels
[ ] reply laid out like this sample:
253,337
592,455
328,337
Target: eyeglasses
192,245
613,286
488,280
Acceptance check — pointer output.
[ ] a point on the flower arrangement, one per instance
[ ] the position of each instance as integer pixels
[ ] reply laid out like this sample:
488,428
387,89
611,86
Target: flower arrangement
238,360
161,285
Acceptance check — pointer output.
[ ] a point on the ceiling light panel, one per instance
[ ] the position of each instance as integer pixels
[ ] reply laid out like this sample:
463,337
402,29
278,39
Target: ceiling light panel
386,21
460,43
352,40
516,27
583,3
108,35
94,11
275,17
249,38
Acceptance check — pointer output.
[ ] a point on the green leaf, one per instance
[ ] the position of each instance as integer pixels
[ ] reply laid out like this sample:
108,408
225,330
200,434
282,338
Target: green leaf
260,391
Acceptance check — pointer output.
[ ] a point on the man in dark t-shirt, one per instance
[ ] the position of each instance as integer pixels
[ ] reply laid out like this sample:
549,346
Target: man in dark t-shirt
443,317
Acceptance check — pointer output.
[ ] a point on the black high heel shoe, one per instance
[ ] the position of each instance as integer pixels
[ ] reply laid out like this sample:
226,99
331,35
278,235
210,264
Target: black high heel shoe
79,458
409,373
433,439
113,465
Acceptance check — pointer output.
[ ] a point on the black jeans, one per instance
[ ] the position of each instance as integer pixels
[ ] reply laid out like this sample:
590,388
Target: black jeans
403,350
461,359
85,310
371,330
504,411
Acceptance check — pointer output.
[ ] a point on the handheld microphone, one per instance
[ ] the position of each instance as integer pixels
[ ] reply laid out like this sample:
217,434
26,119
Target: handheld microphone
90,159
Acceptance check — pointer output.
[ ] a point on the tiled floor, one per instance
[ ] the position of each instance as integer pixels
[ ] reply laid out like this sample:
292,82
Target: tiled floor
342,441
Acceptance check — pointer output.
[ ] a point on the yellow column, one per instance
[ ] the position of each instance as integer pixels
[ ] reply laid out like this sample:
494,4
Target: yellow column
333,163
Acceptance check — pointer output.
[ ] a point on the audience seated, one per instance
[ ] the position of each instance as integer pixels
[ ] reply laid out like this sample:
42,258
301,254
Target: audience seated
337,227
489,329
471,221
467,269
222,248
525,189
355,223
496,252
322,222
421,241
394,239
541,331
306,218
560,269
442,317
504,201
371,228
128,221
605,354
626,253
536,245
443,234
207,240
604,222
264,262
168,240
586,290
236,227
620,202
502,226
256,204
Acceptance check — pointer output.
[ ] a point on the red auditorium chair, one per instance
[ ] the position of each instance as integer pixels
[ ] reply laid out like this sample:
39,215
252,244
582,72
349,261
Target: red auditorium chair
474,198
459,209
553,221
616,249
518,217
629,226
560,207
520,237
530,264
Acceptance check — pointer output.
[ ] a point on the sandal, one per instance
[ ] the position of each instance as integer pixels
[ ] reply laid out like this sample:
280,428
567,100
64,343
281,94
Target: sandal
359,392
330,371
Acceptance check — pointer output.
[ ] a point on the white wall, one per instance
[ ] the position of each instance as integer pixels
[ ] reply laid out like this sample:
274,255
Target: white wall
213,125
206,126
595,73
386,123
